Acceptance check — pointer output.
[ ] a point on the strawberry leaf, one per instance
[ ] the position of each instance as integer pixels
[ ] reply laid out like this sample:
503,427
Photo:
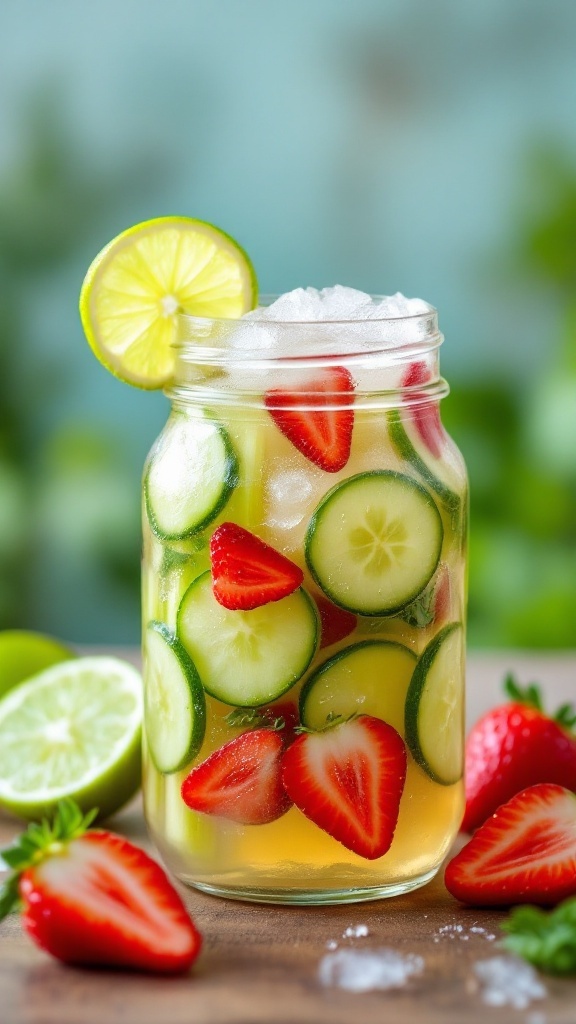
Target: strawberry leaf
9,896
16,858
255,718
547,940
529,695
566,716
37,842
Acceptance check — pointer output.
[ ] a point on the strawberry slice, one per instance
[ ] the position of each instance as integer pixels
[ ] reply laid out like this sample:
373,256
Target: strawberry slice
317,417
337,623
426,417
93,898
241,780
248,573
524,853
348,780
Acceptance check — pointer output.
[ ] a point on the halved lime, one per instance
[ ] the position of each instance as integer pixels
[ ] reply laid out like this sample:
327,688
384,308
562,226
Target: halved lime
144,277
73,730
23,654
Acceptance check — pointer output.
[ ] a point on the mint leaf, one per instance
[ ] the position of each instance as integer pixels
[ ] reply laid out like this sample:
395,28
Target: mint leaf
547,940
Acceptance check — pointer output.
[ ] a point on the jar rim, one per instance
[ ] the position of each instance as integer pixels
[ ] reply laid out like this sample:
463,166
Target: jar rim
262,343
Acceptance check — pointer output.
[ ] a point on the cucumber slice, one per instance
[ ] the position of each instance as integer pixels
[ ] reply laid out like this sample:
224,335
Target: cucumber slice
247,658
174,703
369,678
435,707
438,473
374,542
190,477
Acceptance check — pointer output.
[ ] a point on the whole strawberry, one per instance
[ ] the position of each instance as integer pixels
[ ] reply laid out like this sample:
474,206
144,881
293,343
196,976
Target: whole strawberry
514,746
93,898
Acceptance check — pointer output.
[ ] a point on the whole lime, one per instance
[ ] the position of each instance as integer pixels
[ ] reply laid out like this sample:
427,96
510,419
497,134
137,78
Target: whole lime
24,653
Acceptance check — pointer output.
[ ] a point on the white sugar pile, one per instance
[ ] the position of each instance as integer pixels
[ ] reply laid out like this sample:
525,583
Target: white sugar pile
365,970
508,981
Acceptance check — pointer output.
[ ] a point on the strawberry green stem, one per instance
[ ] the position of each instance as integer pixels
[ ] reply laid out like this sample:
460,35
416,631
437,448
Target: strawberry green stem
39,842
531,696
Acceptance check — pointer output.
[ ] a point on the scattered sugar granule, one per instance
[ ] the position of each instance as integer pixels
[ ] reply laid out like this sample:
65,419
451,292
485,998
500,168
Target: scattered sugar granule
460,932
331,944
478,930
363,970
355,931
508,981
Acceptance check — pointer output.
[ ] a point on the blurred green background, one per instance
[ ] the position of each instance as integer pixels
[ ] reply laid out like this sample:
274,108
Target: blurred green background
423,146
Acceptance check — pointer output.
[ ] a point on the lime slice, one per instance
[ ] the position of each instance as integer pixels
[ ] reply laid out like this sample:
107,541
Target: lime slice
23,654
144,277
73,730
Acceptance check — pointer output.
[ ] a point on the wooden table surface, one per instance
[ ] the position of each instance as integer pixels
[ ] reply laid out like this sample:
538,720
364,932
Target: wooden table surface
259,964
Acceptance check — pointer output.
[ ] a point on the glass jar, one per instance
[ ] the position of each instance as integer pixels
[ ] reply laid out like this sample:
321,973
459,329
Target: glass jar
305,718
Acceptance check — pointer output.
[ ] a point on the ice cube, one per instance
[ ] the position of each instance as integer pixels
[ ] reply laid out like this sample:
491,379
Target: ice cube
286,495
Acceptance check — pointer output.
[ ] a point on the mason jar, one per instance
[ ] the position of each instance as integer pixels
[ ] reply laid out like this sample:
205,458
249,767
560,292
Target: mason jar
304,579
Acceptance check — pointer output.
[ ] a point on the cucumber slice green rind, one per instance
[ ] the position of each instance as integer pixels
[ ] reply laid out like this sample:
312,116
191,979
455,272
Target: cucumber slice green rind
408,452
175,706
424,705
338,572
247,659
371,677
201,502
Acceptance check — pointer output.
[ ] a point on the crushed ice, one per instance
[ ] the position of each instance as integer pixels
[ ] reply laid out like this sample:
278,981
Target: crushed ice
364,970
508,981
350,319
305,305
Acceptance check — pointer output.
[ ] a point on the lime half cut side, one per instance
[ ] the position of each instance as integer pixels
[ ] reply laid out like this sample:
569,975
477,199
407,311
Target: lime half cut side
144,277
73,730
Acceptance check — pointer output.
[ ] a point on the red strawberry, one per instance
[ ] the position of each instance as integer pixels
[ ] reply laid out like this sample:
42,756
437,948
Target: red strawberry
336,623
317,417
348,780
248,573
241,780
524,853
426,416
514,746
94,898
